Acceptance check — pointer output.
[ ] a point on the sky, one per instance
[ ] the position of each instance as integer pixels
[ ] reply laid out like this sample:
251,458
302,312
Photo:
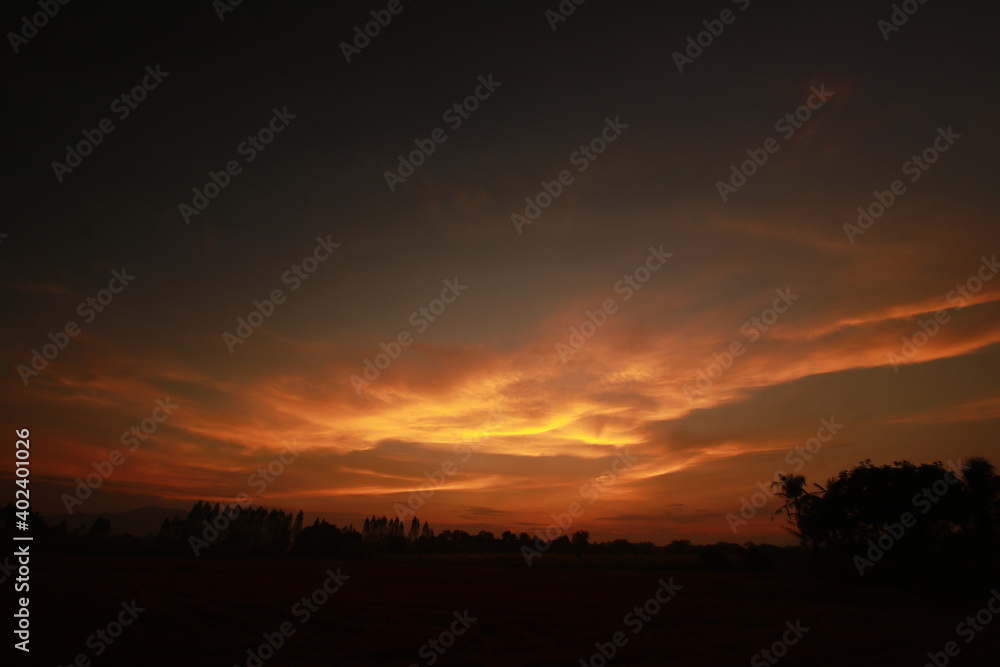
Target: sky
610,270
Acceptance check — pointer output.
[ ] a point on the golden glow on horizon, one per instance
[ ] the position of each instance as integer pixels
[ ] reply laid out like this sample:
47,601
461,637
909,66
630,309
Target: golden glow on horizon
525,431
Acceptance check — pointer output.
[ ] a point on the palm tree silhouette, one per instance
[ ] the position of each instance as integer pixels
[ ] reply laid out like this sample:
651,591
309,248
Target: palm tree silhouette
792,488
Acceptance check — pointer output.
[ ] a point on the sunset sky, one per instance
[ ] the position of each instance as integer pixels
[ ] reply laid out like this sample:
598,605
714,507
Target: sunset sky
484,387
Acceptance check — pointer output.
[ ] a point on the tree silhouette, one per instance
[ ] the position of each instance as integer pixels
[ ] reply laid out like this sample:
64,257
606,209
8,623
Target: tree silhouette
913,521
792,488
581,541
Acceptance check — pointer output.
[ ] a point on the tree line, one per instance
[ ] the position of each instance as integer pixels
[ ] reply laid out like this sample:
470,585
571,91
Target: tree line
901,523
226,531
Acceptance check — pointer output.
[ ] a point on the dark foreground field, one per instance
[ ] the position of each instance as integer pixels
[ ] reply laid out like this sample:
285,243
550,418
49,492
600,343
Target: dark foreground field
211,612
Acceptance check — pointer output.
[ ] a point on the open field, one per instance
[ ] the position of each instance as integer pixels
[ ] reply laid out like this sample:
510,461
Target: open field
209,612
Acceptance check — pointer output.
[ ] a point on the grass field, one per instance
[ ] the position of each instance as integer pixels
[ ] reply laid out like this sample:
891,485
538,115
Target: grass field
209,612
